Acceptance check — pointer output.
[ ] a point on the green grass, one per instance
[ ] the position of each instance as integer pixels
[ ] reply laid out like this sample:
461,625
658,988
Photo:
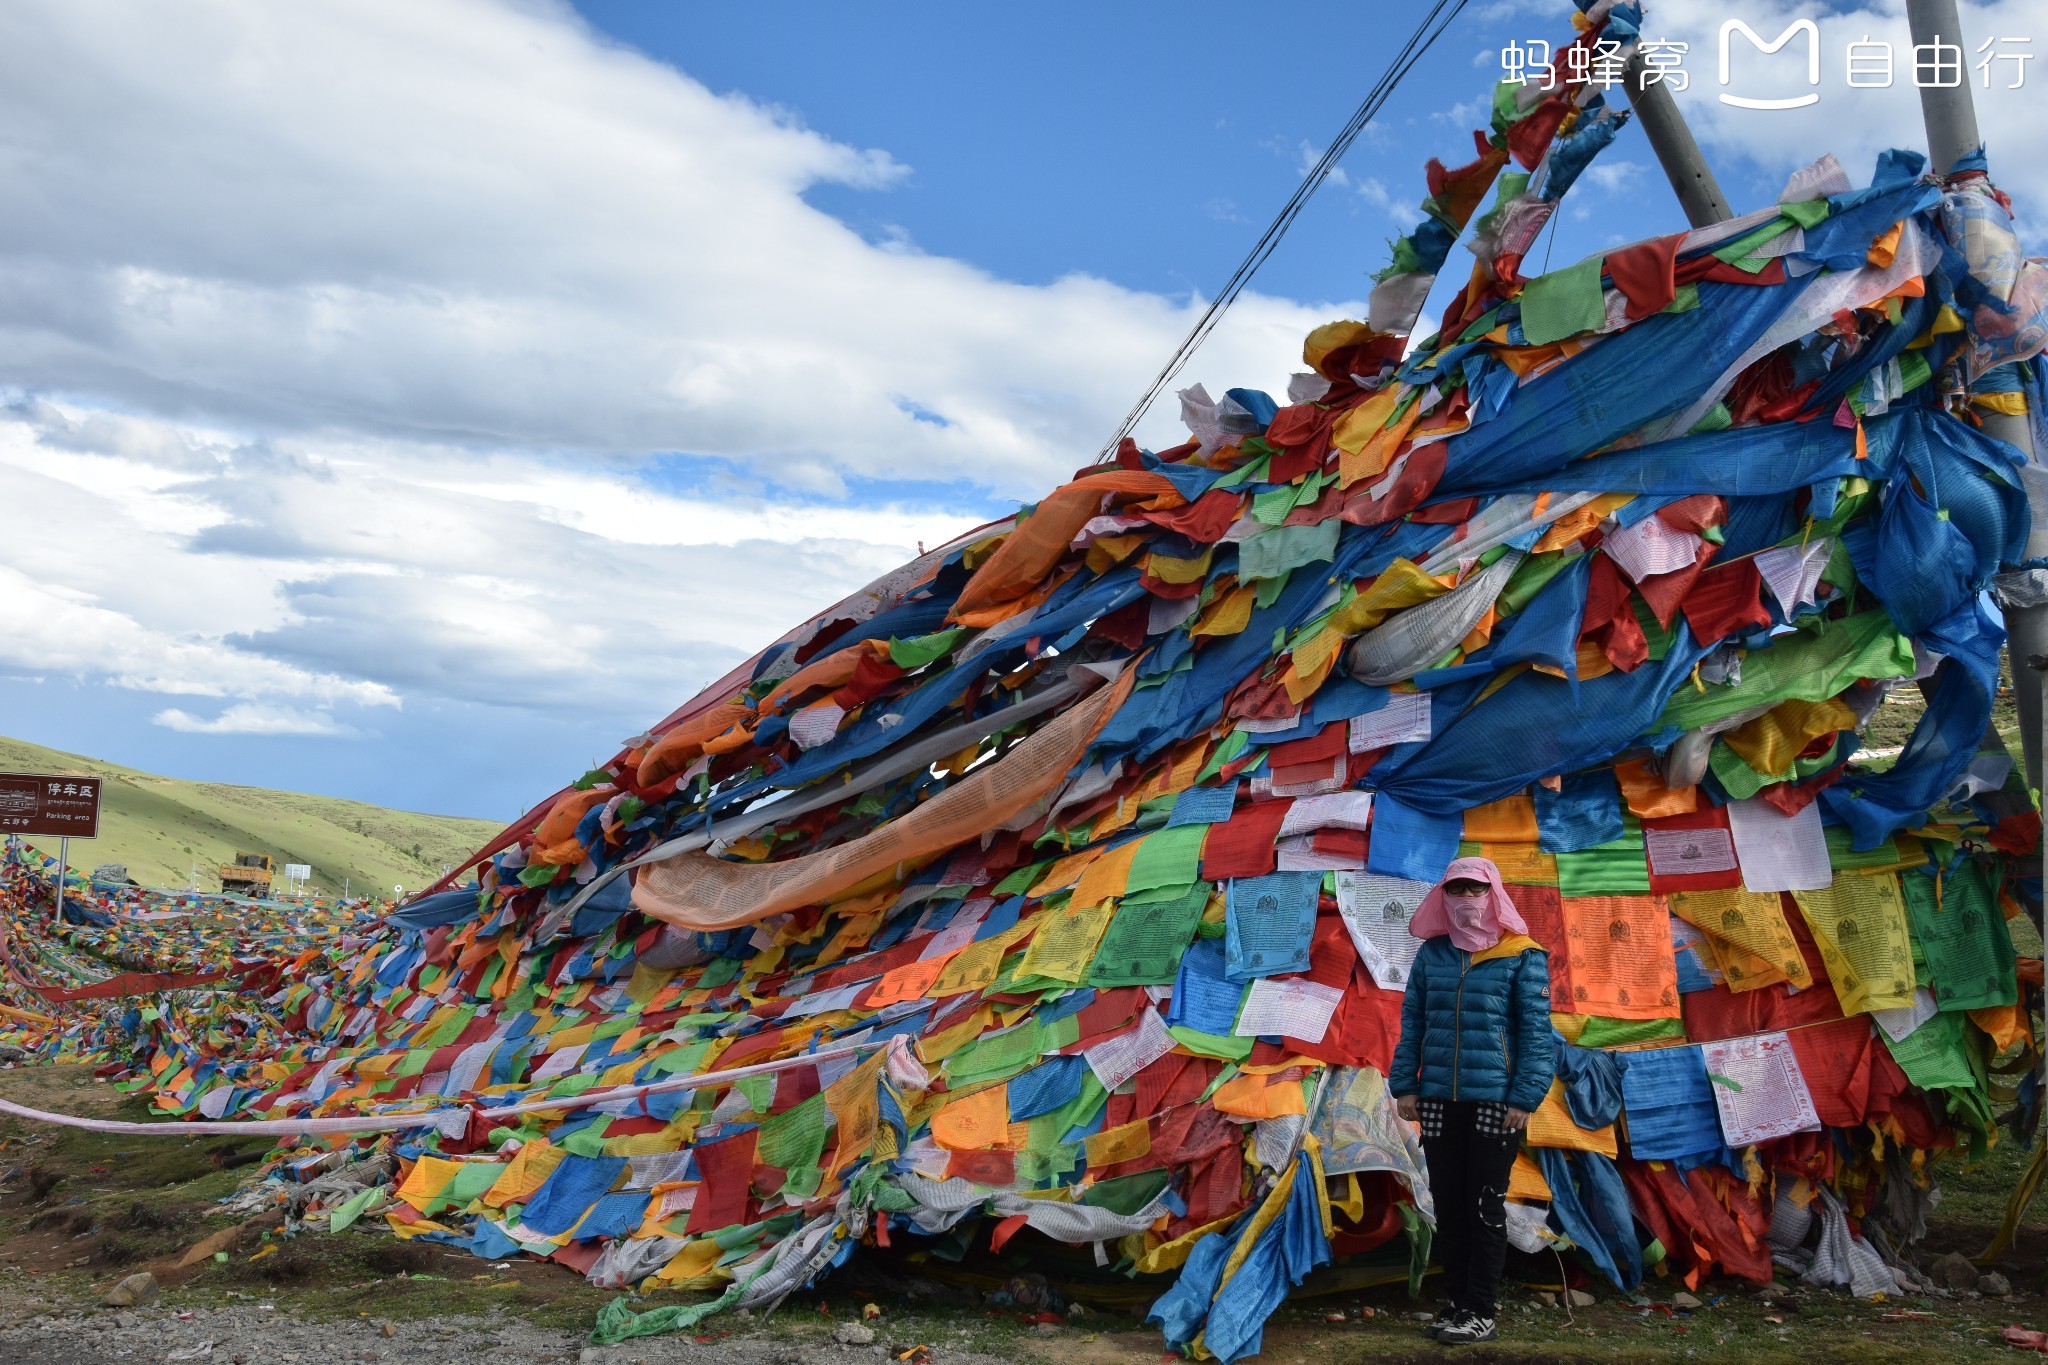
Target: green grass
160,827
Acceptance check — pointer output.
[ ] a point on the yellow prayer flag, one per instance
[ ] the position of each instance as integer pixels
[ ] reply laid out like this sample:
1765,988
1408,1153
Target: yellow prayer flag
1125,1142
1770,742
1552,1125
978,964
1401,584
1066,942
1228,614
1859,924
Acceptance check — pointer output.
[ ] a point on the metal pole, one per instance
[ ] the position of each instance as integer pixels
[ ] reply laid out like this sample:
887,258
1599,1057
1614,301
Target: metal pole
1699,194
1949,112
2026,628
63,864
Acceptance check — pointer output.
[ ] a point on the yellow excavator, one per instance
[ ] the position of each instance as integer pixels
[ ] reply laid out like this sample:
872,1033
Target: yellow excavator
247,875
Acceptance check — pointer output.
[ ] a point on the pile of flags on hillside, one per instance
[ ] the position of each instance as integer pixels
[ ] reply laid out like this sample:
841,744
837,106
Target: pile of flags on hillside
1058,883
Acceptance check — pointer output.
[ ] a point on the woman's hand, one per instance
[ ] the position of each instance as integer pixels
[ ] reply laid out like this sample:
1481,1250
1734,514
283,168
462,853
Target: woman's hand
1409,1108
1517,1119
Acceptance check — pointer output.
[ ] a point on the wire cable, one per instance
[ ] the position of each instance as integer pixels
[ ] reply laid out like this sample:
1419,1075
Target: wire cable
1441,14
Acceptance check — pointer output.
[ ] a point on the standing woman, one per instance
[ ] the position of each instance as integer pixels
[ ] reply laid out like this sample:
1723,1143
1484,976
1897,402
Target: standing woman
1474,1060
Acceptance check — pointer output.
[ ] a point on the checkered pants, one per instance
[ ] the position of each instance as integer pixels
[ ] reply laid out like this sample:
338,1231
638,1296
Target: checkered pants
1488,1118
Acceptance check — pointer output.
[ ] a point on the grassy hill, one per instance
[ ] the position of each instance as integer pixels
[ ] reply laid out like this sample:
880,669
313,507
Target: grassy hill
161,826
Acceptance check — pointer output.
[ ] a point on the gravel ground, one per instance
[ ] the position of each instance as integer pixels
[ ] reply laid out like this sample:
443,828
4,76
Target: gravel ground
261,1336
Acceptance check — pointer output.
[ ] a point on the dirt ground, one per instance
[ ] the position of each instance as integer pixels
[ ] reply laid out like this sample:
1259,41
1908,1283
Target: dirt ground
80,1210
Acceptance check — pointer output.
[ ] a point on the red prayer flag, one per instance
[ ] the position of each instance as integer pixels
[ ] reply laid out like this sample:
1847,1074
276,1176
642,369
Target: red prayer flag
726,1170
1726,599
1646,274
1244,845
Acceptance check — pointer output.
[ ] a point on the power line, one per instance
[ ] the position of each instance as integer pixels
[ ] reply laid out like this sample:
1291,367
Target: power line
1432,27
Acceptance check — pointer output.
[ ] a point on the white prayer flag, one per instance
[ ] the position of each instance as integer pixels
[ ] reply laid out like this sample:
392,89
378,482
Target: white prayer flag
1377,911
1404,719
1288,1008
1759,1089
1780,852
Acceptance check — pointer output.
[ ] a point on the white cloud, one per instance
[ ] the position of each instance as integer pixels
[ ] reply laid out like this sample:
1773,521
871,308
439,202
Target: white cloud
477,223
1465,113
1306,155
56,630
374,352
350,574
1854,124
255,718
1610,176
1374,191
1497,10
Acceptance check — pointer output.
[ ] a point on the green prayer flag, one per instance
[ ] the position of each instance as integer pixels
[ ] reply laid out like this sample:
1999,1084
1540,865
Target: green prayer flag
1126,1194
341,1219
586,1141
997,1056
1937,1055
1603,1032
1963,934
1211,1044
1170,857
1843,857
1807,212
920,650
1564,303
1749,243
1274,553
472,1178
795,1138
760,1092
1619,867
1233,745
1811,665
1251,471
1147,938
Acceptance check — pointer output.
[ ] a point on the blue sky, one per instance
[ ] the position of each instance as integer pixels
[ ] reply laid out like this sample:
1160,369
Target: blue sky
1145,144
410,403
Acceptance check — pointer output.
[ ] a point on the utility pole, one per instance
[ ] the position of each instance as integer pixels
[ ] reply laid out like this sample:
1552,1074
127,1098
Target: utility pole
1948,111
1950,114
1692,180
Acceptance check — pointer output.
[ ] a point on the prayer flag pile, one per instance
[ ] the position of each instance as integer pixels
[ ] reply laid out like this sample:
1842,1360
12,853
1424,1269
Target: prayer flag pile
1100,828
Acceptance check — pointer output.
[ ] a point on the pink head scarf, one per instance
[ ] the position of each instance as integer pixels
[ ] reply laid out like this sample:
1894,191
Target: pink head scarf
1495,917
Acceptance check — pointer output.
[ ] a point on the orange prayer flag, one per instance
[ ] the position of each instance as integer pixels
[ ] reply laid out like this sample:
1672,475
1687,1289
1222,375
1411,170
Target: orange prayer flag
1510,820
1261,1097
980,1121
1647,796
908,982
1619,948
1105,878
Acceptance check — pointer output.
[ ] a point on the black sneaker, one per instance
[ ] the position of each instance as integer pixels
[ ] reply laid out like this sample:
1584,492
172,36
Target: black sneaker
1469,1329
1451,1318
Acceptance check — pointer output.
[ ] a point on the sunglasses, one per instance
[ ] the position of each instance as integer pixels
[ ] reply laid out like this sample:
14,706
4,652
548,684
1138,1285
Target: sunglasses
1463,888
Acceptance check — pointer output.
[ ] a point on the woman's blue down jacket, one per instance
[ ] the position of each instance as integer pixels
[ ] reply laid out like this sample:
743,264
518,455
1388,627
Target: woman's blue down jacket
1476,1026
